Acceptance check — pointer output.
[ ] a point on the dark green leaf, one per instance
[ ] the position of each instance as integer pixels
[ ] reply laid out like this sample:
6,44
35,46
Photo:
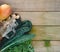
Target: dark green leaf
19,40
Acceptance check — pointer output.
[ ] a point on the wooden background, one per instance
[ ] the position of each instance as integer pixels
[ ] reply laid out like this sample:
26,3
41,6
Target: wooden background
45,17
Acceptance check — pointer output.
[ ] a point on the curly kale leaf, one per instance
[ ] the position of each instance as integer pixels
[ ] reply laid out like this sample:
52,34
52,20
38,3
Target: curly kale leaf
18,41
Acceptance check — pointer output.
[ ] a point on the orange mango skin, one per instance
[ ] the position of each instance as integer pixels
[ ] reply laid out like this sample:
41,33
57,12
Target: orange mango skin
5,11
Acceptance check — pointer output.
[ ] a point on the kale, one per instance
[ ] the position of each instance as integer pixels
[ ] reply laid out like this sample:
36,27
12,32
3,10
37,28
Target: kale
21,37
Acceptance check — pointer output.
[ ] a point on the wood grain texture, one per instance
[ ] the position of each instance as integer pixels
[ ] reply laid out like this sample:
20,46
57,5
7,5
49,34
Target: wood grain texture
34,5
46,33
41,18
39,46
46,25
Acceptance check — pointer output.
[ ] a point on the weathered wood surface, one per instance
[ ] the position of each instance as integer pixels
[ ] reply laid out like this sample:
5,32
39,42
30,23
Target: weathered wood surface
34,5
41,18
46,33
46,25
39,46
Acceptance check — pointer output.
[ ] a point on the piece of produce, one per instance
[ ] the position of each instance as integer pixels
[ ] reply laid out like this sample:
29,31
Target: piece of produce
5,11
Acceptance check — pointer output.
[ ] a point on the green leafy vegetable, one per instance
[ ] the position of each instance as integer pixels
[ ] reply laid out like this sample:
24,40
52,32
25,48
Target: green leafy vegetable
22,47
20,42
